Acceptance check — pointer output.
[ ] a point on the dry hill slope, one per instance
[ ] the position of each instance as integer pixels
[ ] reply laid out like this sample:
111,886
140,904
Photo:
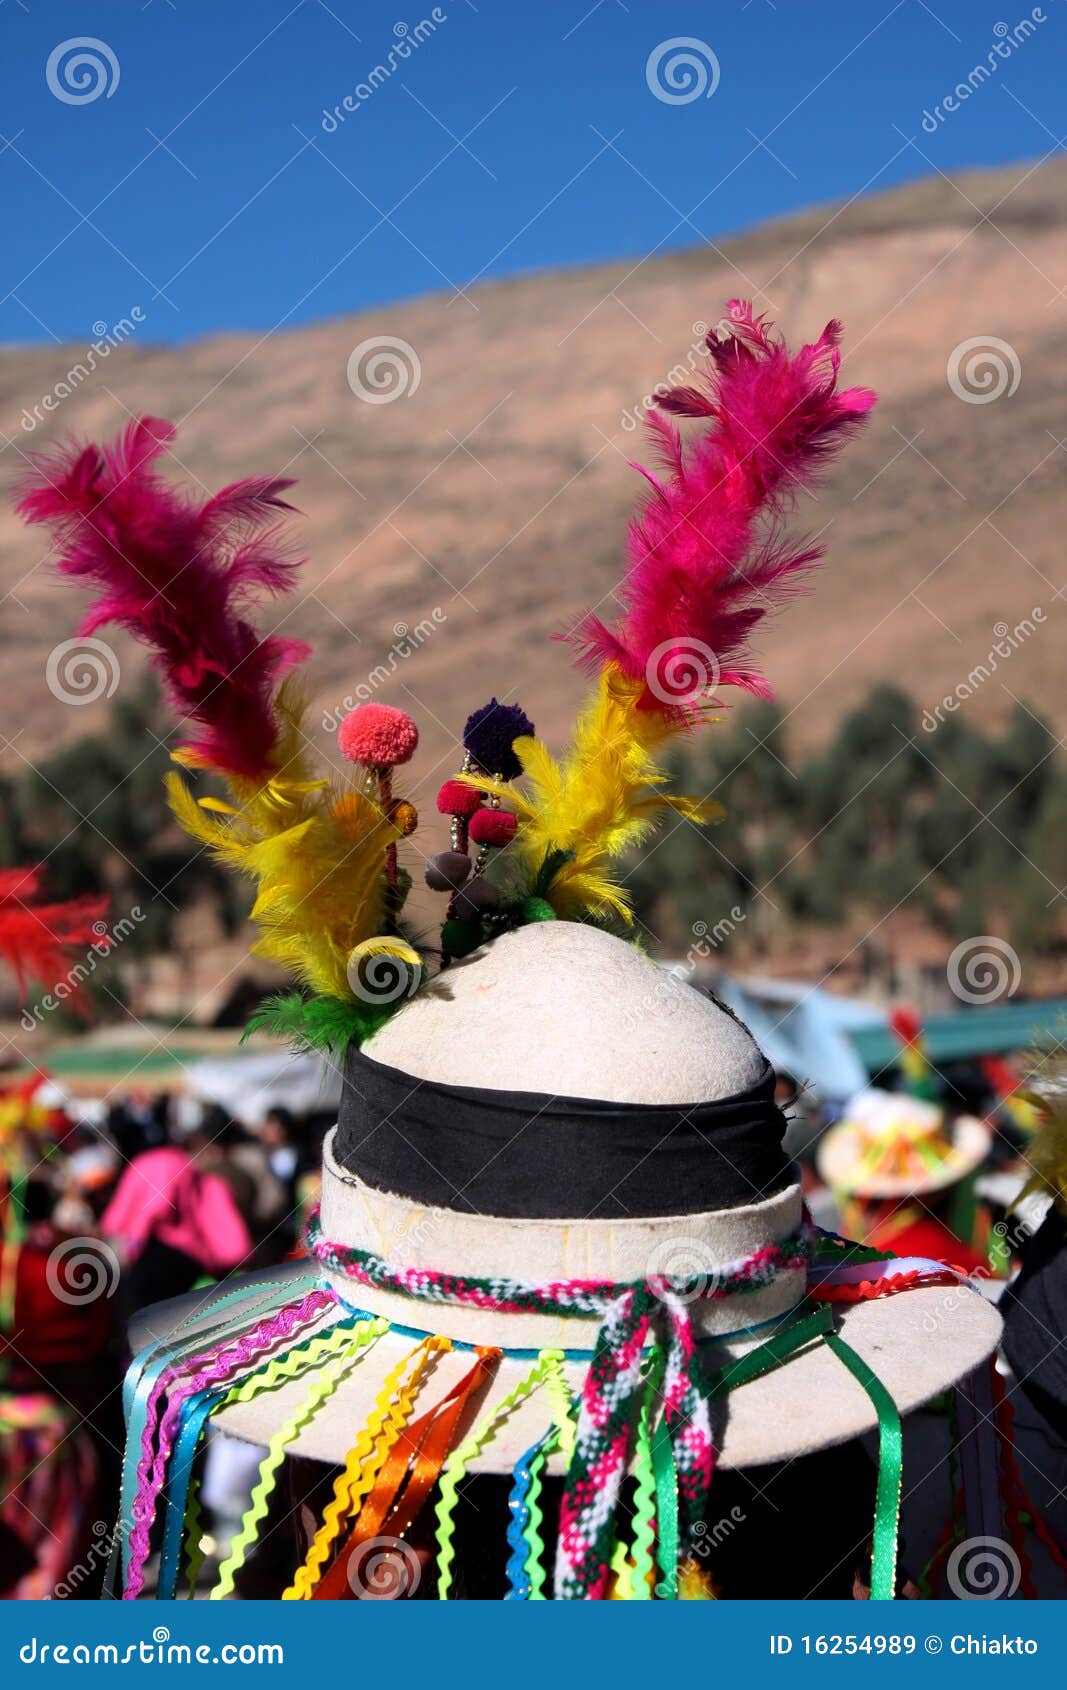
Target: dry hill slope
487,507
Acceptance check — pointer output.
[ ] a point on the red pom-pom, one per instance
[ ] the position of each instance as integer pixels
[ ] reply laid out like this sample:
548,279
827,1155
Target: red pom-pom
379,735
455,799
493,827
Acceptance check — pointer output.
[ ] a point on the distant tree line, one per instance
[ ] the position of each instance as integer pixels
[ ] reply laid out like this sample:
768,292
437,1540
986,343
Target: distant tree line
965,827
969,828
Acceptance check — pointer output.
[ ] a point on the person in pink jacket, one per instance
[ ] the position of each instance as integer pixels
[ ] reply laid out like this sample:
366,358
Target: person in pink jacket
173,1220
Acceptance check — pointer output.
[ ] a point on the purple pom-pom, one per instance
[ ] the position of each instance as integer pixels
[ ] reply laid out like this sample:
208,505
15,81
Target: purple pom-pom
490,734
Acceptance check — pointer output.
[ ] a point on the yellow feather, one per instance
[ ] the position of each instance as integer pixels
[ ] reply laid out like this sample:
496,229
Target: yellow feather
315,853
1047,1157
602,798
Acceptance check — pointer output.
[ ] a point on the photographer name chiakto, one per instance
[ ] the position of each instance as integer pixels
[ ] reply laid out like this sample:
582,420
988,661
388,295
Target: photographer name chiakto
969,1644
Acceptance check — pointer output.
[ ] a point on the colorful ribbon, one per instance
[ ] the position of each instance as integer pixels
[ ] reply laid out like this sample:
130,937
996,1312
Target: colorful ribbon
628,1313
350,1347
390,1414
185,1380
412,1466
547,1367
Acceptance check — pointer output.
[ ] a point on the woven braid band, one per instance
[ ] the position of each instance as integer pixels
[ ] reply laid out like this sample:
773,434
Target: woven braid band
627,1314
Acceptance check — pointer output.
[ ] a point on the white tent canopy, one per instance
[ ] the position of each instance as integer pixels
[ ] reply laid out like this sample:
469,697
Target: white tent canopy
249,1085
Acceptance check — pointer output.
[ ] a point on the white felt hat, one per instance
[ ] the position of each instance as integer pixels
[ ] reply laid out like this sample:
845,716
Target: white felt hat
844,1154
809,1403
566,1010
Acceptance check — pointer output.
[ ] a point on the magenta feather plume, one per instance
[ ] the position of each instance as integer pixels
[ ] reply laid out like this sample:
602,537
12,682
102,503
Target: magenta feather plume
180,575
707,555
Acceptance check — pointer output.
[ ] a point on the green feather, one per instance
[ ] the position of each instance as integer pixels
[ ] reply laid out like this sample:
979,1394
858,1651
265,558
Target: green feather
320,1022
551,864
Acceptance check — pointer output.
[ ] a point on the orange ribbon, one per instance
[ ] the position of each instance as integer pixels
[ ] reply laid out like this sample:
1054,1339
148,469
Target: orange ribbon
421,1451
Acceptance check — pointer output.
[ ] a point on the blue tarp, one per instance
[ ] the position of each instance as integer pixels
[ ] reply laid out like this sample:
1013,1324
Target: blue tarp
804,1031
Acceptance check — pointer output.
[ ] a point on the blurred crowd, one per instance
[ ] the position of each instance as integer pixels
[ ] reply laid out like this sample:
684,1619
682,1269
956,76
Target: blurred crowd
105,1211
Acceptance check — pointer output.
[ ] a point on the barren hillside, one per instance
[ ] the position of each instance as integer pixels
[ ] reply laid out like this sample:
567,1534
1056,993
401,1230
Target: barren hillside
451,531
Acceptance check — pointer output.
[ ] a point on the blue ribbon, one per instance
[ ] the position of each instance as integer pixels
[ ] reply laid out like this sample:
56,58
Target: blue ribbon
216,1318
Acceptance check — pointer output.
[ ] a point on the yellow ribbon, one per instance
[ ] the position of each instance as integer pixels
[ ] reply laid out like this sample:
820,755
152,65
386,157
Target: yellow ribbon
365,1459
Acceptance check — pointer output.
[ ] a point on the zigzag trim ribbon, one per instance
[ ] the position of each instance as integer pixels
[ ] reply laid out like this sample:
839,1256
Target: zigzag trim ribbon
628,1312
525,1568
353,1346
391,1412
546,1367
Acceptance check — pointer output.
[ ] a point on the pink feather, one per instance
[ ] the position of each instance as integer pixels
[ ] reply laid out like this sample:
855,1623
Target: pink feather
178,574
707,555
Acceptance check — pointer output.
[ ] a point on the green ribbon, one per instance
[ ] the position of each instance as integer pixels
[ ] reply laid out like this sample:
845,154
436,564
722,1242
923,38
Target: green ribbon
771,1354
666,1513
890,1468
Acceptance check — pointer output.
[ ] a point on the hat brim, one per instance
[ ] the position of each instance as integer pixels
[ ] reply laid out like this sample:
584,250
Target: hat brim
840,1156
917,1342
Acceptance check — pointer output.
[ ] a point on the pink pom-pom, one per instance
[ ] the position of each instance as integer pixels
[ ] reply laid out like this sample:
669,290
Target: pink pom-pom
378,735
455,799
493,827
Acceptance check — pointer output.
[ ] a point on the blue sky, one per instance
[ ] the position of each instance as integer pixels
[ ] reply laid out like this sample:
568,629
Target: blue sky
518,134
